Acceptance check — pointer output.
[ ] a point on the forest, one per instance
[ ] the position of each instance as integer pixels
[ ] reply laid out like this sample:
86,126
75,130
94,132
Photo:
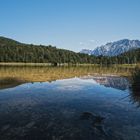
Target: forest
13,51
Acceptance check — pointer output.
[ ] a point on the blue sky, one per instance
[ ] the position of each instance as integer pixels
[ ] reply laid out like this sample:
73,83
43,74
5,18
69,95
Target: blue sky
70,24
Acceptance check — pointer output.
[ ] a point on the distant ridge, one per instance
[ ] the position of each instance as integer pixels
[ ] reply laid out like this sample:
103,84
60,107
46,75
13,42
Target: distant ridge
114,48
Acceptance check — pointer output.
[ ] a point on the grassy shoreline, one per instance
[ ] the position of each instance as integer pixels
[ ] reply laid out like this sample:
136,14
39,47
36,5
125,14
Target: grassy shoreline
12,74
23,64
42,64
65,64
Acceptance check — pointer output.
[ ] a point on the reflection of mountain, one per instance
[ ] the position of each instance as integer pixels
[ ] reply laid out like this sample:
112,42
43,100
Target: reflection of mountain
111,81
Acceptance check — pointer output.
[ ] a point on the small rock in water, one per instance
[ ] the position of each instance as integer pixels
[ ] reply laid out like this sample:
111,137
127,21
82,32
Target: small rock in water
95,120
91,116
86,116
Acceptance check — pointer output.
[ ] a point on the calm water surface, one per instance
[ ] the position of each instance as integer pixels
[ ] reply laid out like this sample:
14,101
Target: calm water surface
80,105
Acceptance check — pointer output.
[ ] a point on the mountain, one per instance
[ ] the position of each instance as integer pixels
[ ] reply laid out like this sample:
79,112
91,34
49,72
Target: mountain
114,48
86,51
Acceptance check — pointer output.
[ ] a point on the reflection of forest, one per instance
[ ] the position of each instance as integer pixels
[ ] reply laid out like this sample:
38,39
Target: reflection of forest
10,82
11,74
135,88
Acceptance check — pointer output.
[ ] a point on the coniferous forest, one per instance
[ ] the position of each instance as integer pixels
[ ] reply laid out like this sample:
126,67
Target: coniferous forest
13,51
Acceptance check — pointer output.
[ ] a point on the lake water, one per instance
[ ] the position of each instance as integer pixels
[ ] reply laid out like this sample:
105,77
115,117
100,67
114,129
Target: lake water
76,103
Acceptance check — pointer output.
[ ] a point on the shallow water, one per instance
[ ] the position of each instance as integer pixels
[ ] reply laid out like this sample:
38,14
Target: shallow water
83,107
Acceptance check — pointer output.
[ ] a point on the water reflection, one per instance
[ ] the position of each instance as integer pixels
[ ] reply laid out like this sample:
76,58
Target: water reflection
83,103
117,82
135,88
10,82
10,74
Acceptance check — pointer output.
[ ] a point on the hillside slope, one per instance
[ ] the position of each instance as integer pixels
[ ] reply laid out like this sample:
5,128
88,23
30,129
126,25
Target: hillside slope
14,51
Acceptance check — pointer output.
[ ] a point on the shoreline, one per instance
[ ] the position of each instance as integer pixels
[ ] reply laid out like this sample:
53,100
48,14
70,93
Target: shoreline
42,64
66,64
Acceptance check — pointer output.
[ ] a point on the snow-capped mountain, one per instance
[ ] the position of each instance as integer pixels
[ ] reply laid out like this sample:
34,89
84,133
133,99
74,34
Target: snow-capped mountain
114,48
86,51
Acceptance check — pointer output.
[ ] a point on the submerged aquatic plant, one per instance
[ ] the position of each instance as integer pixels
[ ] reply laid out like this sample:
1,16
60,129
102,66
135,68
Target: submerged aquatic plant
96,121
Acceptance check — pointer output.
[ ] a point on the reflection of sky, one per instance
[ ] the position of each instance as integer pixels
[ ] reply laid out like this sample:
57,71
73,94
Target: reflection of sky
80,87
77,83
65,90
74,84
74,91
65,100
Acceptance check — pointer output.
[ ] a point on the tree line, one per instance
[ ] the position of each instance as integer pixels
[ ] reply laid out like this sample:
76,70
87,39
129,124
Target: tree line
12,51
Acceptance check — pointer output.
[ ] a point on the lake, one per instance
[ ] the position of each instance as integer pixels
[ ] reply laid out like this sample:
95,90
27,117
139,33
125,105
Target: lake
69,103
